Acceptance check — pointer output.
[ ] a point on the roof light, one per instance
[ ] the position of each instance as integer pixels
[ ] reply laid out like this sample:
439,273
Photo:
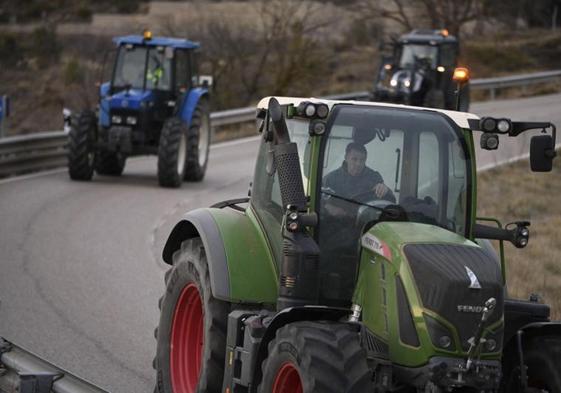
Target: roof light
388,67
147,35
503,126
444,33
461,75
322,111
310,110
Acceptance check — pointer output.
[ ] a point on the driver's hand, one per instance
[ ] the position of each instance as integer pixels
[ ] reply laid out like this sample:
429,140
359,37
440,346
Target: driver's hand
381,190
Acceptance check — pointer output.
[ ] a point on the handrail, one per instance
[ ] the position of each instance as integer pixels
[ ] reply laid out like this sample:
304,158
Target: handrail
46,150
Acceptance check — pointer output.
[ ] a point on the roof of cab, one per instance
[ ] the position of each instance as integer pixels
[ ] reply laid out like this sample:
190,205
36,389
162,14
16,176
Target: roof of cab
427,36
156,41
460,118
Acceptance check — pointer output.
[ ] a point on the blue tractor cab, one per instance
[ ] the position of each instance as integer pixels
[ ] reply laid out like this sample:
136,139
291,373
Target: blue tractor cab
153,104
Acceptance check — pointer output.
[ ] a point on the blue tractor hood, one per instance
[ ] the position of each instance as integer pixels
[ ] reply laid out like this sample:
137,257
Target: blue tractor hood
131,99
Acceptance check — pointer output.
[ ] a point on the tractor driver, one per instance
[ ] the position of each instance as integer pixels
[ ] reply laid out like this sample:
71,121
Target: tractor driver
354,179
350,185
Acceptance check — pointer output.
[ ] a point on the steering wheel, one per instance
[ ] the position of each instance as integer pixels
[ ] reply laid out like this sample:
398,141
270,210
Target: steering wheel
371,211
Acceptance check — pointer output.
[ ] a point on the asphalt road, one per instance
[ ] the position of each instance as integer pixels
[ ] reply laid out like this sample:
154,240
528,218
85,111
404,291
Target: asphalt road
80,265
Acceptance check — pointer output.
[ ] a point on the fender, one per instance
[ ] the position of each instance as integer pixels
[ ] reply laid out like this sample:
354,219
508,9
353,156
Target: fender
241,265
552,328
190,102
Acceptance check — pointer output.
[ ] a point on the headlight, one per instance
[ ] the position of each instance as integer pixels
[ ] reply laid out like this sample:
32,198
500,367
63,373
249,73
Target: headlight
407,82
440,335
131,120
116,119
393,83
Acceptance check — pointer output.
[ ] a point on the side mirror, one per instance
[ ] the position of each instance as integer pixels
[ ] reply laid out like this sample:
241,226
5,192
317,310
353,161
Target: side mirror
206,81
542,152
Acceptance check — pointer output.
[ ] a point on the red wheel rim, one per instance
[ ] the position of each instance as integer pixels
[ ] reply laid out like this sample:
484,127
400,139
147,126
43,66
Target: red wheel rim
187,339
287,380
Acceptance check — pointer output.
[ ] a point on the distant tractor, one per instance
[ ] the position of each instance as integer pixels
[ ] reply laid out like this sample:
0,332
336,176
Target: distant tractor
155,104
420,72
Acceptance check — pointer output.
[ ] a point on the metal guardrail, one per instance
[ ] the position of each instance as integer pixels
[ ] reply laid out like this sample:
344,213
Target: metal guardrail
23,372
47,150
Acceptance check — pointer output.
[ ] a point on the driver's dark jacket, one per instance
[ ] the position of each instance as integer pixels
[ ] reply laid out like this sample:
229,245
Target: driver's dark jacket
347,186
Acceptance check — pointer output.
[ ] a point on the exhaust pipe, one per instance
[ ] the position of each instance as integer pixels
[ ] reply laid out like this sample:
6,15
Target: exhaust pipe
299,270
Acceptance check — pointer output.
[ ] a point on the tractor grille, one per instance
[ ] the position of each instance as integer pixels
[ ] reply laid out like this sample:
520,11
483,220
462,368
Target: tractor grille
443,282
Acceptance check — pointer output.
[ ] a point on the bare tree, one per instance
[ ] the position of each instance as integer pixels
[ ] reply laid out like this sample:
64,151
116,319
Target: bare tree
436,14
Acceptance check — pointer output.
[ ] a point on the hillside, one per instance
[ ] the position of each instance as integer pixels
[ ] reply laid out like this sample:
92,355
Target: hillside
252,48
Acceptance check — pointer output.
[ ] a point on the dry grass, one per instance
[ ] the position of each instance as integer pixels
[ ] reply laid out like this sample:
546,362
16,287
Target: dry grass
512,193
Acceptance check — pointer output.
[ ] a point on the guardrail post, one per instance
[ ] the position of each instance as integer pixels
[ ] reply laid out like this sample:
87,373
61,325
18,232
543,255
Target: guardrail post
492,93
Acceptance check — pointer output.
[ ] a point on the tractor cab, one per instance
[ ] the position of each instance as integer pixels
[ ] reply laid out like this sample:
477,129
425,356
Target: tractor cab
374,164
419,71
150,76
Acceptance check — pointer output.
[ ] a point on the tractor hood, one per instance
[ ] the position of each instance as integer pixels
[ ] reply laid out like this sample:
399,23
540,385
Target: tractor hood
131,99
444,280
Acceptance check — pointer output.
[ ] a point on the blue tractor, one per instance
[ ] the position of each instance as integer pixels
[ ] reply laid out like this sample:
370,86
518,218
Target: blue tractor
155,103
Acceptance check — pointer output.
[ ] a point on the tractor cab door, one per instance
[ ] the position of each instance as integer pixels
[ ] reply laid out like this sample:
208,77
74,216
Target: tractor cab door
182,72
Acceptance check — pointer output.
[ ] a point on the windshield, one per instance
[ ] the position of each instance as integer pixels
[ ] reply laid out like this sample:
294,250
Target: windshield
418,53
412,162
133,68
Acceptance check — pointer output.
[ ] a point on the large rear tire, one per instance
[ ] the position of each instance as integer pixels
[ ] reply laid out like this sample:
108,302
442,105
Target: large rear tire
191,335
198,142
109,163
81,151
172,152
315,357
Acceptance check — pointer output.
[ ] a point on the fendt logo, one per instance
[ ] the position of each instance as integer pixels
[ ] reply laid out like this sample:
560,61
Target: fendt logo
471,309
473,281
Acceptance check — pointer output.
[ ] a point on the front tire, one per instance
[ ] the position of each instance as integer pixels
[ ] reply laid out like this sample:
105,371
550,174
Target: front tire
109,163
315,357
191,335
198,143
81,151
172,152
542,356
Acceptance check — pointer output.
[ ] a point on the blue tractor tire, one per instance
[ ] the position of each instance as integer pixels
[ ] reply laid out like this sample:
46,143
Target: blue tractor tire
109,163
198,142
172,152
81,146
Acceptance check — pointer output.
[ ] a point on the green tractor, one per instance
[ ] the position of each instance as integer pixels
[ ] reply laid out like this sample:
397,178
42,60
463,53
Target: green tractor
357,264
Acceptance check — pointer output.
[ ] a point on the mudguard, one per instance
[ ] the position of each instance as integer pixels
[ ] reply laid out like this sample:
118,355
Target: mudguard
104,120
534,329
241,265
190,102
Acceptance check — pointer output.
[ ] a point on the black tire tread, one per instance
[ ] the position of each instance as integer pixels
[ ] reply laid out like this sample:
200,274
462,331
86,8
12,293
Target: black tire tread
82,130
191,256
193,170
542,355
332,360
168,153
109,163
